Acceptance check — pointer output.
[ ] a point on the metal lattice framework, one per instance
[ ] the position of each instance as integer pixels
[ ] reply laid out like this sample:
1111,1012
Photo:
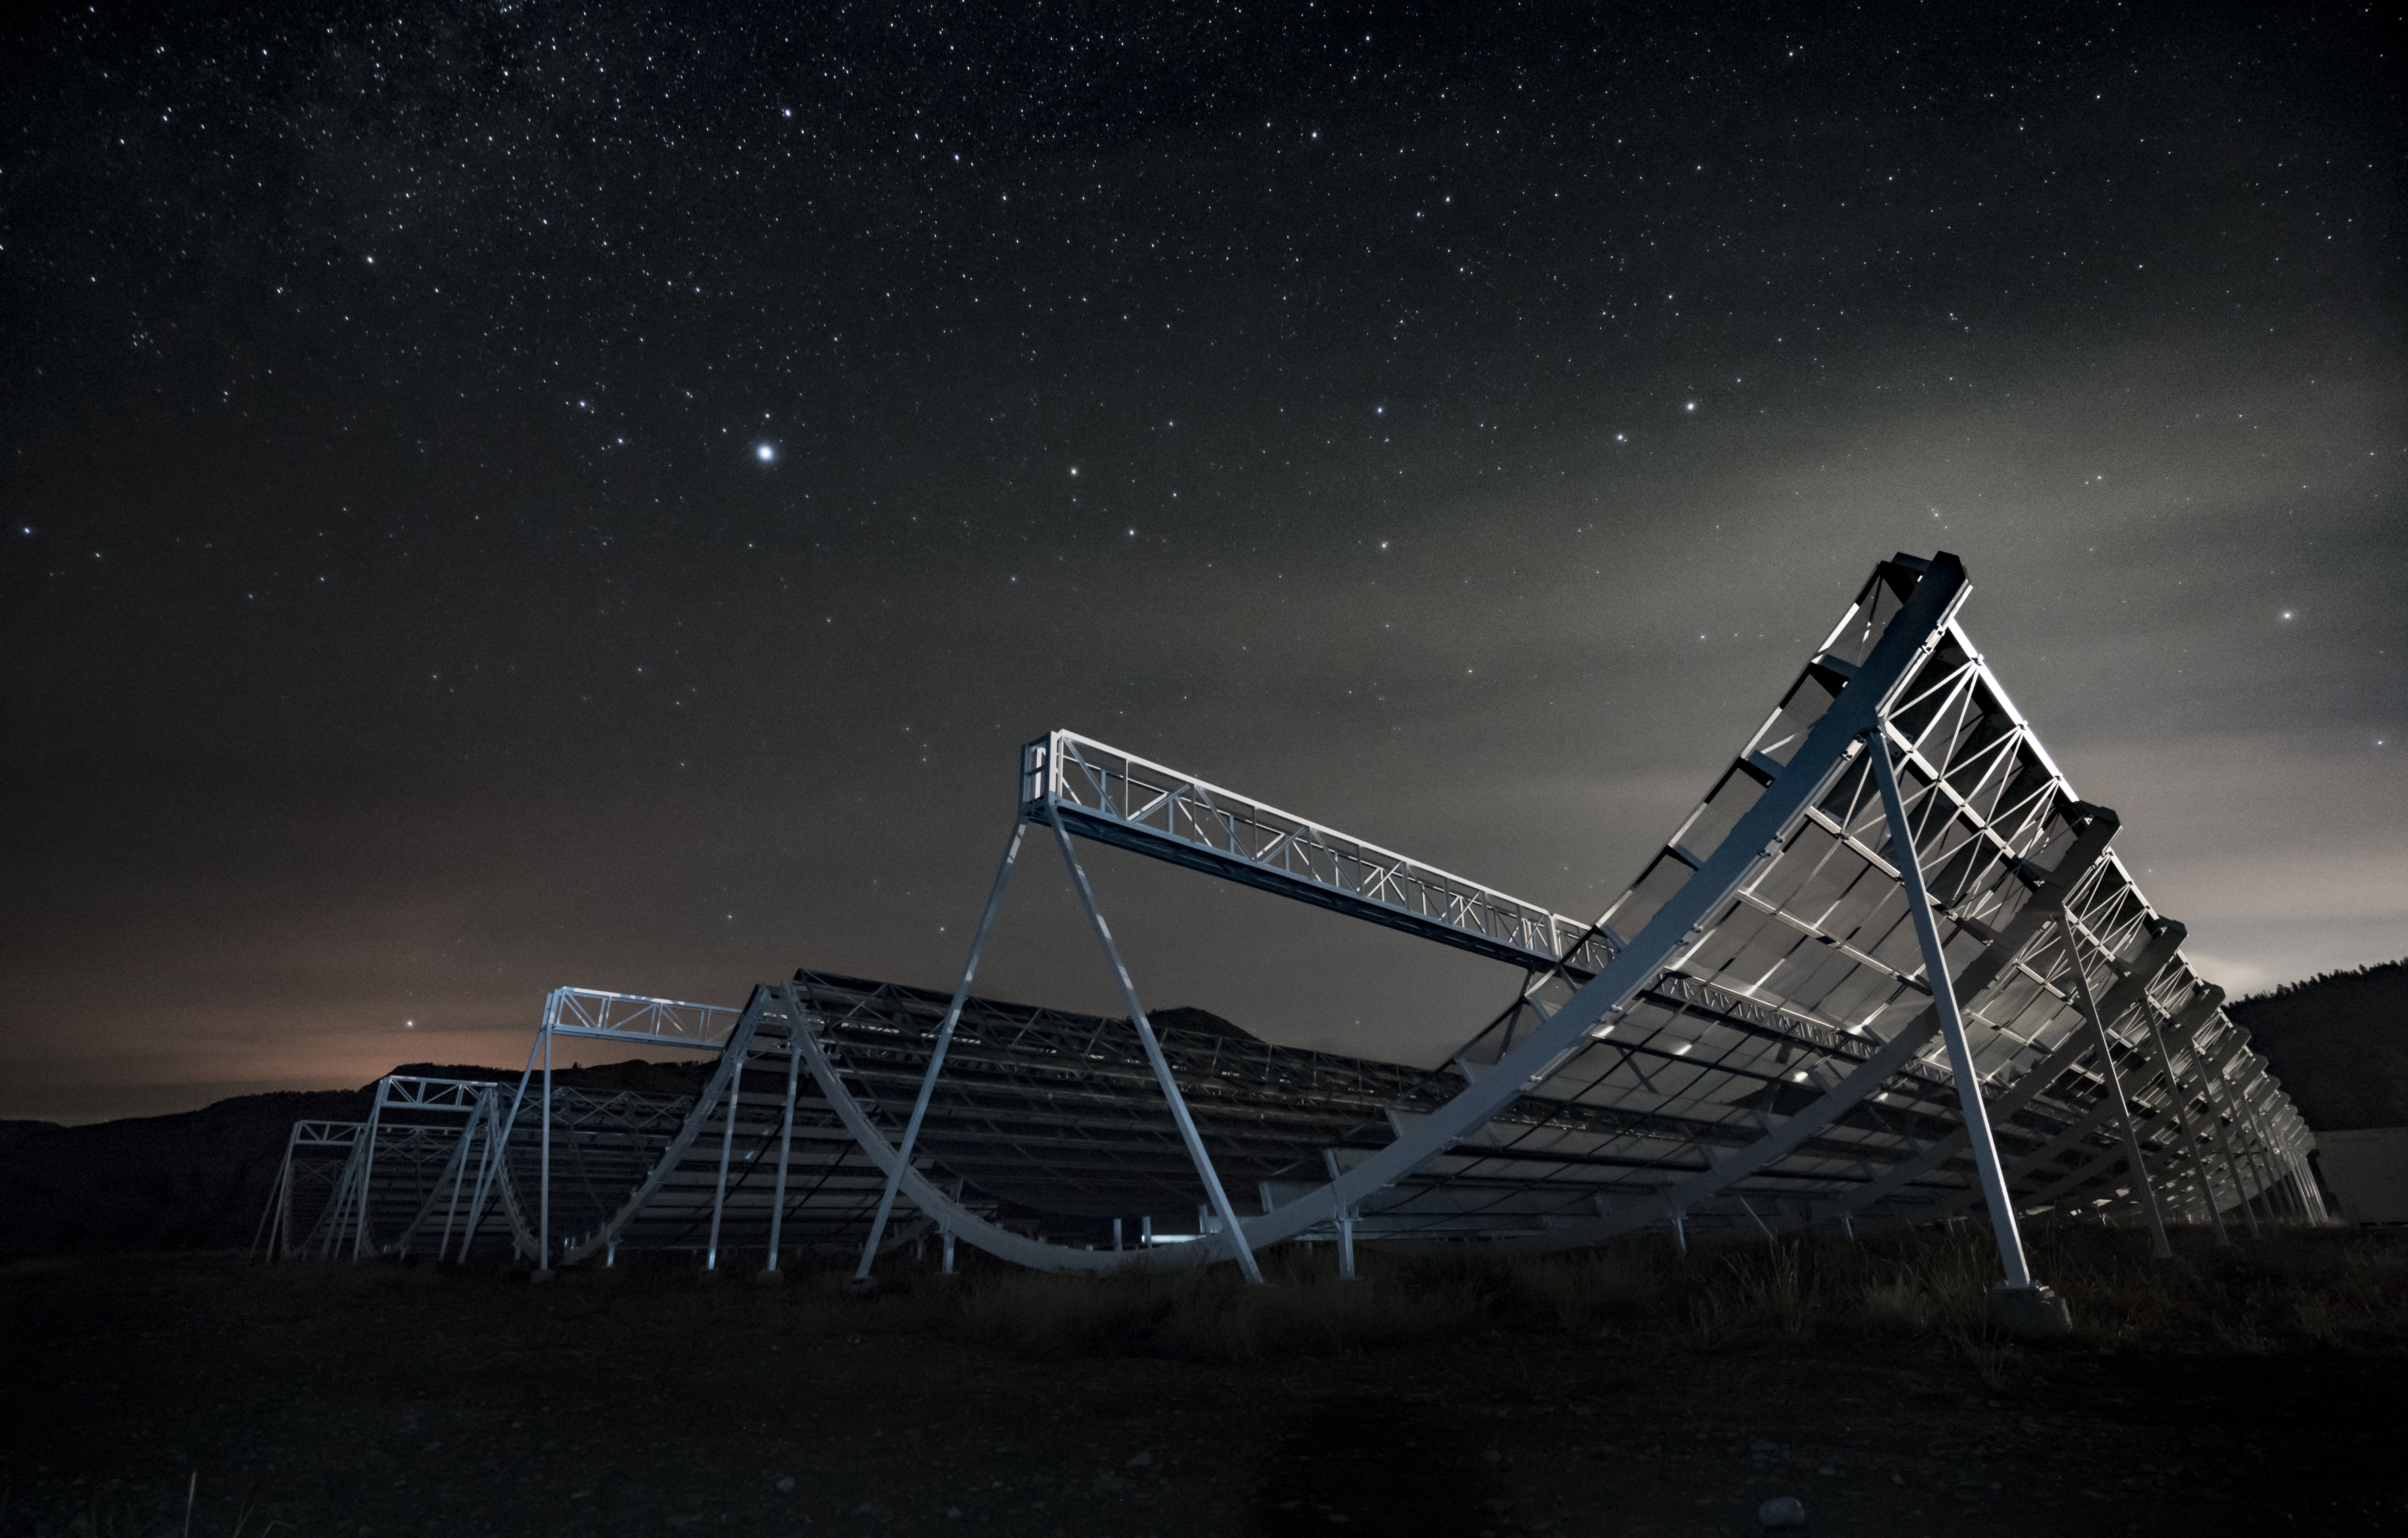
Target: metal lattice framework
1890,970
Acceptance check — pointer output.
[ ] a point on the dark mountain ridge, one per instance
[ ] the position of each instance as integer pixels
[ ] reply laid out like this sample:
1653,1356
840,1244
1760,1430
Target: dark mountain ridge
199,1180
2339,1042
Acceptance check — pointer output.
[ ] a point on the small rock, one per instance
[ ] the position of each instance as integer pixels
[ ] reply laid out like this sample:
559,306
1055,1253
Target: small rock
1827,1471
1781,1511
787,1483
1142,1460
954,1511
1492,1456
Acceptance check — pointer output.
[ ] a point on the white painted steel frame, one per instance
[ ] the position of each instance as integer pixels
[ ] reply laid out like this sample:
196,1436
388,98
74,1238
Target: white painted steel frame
1603,1099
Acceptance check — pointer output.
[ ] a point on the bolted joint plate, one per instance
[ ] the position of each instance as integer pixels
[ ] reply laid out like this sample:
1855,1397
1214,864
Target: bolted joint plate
2030,1313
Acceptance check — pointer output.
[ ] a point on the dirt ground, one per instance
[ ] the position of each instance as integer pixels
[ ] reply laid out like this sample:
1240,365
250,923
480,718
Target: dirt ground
376,1401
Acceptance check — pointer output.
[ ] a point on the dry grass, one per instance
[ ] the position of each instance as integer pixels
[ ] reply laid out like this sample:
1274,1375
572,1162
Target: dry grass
2290,1290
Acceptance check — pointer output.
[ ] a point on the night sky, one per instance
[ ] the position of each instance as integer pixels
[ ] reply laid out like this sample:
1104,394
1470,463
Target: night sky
524,494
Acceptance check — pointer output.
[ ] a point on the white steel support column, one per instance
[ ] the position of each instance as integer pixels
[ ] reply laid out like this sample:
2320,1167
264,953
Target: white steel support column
2232,1160
2115,1086
492,1167
937,1055
1239,1247
1952,1024
367,1165
276,1199
459,1170
543,1180
726,1150
785,1147
1345,1222
2178,1106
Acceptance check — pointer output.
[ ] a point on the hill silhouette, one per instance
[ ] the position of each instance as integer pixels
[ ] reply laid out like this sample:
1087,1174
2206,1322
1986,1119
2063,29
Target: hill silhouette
200,1179
2339,1042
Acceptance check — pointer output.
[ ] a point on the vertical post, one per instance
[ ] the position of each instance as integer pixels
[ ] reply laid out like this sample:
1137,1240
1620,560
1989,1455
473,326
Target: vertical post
1345,1221
785,1145
368,1164
2223,1140
1203,1161
1116,1236
1680,1231
2157,1243
726,1149
949,1252
543,1178
1145,1232
1952,1024
283,1223
275,1199
2178,1106
498,1148
937,1053
459,1170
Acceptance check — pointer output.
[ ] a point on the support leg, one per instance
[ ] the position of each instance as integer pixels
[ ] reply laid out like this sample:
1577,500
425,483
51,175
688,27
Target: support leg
367,1166
543,1193
460,1170
2028,1307
2114,1085
785,1147
266,1232
1203,1161
2178,1107
937,1053
727,1151
1345,1221
497,1147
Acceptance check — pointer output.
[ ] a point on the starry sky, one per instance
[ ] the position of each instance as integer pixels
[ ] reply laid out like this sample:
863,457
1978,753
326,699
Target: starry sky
505,495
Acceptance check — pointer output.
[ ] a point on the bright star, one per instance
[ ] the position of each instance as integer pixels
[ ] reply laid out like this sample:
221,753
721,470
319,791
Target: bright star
764,454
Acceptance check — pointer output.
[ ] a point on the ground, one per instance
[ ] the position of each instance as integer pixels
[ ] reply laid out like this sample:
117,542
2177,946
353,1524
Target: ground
375,1399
